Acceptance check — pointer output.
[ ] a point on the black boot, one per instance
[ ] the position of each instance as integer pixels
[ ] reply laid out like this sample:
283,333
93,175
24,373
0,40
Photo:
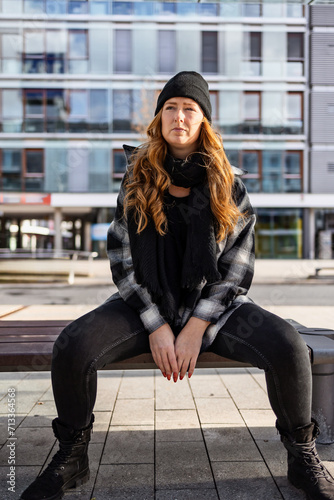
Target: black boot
305,470
68,467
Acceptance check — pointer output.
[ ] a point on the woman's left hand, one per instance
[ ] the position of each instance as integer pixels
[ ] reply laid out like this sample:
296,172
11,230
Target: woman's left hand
188,344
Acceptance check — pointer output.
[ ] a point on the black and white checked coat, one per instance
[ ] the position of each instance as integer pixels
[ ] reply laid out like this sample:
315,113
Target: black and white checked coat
214,302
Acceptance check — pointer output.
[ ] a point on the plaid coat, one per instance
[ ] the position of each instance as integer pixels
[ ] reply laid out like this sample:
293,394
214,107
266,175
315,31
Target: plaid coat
214,302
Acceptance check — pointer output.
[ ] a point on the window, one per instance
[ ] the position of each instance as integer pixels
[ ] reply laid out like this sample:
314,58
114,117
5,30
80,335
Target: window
295,56
252,53
122,110
11,170
251,9
209,52
186,9
208,9
11,48
44,110
294,113
33,170
77,7
292,179
122,8
22,170
215,106
250,161
55,111
33,52
77,51
269,171
98,110
34,110
123,51
118,168
167,50
55,51
12,110
251,112
119,164
78,111
165,8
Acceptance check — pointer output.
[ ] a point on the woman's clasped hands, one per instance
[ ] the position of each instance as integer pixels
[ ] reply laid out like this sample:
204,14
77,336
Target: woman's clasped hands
175,356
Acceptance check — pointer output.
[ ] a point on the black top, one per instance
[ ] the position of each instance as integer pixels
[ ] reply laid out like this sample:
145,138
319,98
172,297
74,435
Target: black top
175,242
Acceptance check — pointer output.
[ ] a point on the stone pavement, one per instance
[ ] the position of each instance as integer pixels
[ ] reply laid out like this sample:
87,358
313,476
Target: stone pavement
208,438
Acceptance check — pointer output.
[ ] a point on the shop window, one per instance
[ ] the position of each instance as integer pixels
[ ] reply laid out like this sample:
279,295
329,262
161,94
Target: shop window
122,110
78,111
210,52
78,51
252,57
295,55
294,113
278,233
33,170
251,112
166,51
123,51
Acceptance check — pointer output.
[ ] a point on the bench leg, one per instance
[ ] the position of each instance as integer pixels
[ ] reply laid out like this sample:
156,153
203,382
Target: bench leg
323,401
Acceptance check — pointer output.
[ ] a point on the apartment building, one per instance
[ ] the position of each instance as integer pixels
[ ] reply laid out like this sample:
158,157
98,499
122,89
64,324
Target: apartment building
80,78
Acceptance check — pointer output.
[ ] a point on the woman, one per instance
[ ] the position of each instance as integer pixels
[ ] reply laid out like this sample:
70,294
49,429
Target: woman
181,251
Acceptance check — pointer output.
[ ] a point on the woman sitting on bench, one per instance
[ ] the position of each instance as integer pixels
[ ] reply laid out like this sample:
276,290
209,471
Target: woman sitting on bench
181,250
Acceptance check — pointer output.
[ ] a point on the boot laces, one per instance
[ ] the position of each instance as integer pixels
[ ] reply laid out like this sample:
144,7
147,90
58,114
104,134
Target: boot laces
58,461
314,466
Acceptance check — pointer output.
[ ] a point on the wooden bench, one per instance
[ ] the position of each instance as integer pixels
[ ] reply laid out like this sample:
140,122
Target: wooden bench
27,346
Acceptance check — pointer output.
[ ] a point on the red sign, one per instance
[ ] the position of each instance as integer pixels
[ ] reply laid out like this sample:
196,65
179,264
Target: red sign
25,199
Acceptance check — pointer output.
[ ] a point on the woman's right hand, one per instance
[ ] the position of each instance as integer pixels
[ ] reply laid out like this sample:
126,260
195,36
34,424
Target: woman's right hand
162,347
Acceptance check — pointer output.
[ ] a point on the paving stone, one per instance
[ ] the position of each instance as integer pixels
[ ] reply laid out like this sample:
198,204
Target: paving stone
133,412
100,426
4,422
129,445
244,481
230,443
38,421
51,312
137,384
24,475
218,411
43,407
186,495
208,383
261,423
244,390
259,376
125,482
32,446
182,465
177,425
108,382
170,395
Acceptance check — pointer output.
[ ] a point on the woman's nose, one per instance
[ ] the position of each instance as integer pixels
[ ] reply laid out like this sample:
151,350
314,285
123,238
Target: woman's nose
179,116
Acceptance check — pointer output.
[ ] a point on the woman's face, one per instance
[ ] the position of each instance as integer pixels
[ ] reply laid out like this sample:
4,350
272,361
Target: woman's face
181,122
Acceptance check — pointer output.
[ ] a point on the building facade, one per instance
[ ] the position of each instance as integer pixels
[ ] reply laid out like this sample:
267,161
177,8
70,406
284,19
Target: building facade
80,78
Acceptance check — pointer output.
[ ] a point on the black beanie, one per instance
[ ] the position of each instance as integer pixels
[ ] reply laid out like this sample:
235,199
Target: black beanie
187,84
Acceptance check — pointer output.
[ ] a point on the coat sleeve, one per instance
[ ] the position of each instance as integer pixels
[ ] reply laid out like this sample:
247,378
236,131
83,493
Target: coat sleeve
235,263
119,254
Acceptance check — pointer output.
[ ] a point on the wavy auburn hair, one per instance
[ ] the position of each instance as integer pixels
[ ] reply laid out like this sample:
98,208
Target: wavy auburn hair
147,180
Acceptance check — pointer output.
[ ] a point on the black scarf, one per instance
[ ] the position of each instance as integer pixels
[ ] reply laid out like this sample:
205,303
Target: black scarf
199,262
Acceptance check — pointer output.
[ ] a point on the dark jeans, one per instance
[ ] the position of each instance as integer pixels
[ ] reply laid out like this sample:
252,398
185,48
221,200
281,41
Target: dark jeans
114,331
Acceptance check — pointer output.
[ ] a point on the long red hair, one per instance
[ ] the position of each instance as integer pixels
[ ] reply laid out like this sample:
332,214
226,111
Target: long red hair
148,180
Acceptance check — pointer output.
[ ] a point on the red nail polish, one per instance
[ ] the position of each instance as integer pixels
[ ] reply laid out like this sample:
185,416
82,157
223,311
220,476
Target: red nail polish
164,374
181,377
